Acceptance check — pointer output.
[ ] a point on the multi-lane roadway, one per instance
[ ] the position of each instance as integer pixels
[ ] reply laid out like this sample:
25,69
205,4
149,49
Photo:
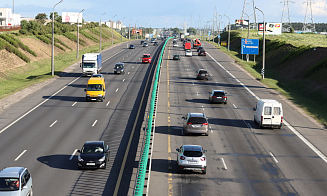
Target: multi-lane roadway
241,158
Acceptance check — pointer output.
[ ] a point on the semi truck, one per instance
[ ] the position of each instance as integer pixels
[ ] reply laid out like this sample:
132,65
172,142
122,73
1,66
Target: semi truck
196,43
91,63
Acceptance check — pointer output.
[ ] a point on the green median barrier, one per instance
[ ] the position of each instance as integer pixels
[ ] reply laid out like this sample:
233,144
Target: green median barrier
145,154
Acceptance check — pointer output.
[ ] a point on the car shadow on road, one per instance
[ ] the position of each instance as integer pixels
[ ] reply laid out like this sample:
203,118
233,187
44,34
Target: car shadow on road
59,161
203,101
160,165
66,98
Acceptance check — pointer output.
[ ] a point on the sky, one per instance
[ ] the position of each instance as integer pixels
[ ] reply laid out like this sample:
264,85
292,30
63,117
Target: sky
172,13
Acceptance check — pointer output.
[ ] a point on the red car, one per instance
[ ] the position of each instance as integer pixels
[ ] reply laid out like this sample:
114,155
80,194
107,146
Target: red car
202,53
146,58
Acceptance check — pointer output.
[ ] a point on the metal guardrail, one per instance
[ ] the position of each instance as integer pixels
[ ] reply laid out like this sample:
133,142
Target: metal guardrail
145,154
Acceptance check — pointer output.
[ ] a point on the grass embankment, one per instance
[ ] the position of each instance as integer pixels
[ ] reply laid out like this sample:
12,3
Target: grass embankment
292,67
19,78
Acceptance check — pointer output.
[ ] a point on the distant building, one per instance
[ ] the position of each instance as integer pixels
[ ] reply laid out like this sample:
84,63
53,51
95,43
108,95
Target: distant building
116,25
7,18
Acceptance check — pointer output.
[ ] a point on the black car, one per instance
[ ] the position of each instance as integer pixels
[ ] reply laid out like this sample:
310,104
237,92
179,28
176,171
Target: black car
218,96
142,42
131,46
94,154
199,48
202,53
119,68
155,43
202,74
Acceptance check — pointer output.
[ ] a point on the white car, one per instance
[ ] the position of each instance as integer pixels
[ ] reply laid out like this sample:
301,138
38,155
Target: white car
188,53
191,158
175,44
16,181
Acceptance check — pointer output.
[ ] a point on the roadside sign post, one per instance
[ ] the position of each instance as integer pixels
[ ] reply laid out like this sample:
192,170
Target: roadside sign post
249,46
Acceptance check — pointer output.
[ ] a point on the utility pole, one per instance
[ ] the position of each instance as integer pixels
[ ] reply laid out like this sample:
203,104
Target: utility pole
264,45
101,31
309,27
249,8
77,53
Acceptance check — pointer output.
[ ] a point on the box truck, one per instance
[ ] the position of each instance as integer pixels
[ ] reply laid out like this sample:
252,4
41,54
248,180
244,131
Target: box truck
187,46
91,63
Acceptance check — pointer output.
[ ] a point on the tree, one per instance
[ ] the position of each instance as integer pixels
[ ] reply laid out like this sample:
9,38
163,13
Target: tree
291,30
41,17
56,17
176,30
191,31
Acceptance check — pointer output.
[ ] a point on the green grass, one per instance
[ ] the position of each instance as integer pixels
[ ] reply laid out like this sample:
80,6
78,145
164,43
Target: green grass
19,78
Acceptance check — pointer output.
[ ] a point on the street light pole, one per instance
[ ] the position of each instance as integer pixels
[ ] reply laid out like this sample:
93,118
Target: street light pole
129,30
101,31
137,35
121,30
247,55
77,54
264,45
52,48
228,32
112,30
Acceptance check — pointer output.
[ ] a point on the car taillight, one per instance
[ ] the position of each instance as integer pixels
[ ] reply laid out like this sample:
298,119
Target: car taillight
281,119
207,74
214,97
198,74
189,123
261,118
182,158
202,158
224,97
204,123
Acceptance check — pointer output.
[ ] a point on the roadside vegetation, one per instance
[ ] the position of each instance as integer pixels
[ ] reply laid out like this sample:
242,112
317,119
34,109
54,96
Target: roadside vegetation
296,66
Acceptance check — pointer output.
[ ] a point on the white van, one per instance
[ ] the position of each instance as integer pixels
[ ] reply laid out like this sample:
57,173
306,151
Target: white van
268,113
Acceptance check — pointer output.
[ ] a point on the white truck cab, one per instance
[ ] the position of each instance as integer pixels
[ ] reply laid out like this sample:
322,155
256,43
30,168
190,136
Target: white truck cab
268,113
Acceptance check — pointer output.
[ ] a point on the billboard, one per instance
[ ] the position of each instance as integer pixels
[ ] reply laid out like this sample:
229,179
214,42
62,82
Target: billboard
72,17
271,28
137,31
250,46
241,23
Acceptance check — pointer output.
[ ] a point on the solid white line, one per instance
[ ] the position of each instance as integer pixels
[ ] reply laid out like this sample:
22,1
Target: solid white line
117,90
318,152
123,80
74,103
53,123
21,154
224,163
211,130
108,103
197,93
202,108
71,157
193,83
273,156
37,106
128,72
94,123
234,106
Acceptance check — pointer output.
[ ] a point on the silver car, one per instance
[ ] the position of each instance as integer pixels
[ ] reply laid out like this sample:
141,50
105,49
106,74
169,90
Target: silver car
191,158
195,123
15,181
218,96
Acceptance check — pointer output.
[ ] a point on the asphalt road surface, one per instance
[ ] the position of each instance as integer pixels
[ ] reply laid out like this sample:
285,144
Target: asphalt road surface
241,158
43,131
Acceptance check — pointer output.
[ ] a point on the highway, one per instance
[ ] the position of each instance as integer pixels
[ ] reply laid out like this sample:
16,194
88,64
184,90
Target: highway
241,158
44,130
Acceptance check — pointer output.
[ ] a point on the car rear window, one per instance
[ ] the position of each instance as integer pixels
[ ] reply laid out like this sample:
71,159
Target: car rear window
192,153
203,72
267,110
276,110
146,56
219,94
197,120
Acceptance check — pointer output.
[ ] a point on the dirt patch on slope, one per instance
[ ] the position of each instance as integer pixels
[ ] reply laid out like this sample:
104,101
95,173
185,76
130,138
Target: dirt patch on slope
9,60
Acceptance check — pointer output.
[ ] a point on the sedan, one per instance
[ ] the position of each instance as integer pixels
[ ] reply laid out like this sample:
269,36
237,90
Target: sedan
119,68
191,158
202,74
155,43
145,45
202,53
199,48
176,57
131,46
218,96
94,154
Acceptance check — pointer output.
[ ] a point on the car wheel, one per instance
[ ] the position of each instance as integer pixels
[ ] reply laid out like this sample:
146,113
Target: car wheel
184,132
254,120
86,100
207,134
205,170
101,99
225,102
31,193
105,166
179,170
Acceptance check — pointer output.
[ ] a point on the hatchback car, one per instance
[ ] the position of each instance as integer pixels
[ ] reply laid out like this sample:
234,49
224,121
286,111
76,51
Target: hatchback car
119,68
191,158
195,123
131,46
202,74
94,154
146,58
145,45
155,43
188,52
199,48
176,57
202,53
16,181
218,96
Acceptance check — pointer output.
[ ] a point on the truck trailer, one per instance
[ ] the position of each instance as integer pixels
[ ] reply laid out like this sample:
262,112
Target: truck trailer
91,63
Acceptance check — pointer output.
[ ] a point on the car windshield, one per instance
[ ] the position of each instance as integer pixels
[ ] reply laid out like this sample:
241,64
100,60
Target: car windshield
188,50
88,65
9,184
193,153
96,76
92,150
119,66
94,87
197,120
146,56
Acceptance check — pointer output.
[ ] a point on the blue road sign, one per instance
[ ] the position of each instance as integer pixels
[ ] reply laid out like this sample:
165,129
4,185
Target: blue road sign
250,46
218,36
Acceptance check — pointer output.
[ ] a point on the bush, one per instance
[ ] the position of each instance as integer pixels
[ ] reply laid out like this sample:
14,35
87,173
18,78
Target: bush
58,41
89,36
48,41
73,37
295,53
103,34
23,32
319,66
11,49
23,46
9,40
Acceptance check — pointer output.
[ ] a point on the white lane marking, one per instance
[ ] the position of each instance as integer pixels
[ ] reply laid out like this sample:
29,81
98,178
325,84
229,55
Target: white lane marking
234,106
202,108
273,156
211,129
21,154
197,93
95,122
133,67
71,157
193,83
224,163
249,126
53,123
128,72
108,103
123,58
74,103
112,56
123,80
38,105
117,90
318,152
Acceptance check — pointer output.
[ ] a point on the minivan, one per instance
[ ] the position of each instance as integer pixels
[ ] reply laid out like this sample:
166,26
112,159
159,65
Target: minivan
95,89
268,113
